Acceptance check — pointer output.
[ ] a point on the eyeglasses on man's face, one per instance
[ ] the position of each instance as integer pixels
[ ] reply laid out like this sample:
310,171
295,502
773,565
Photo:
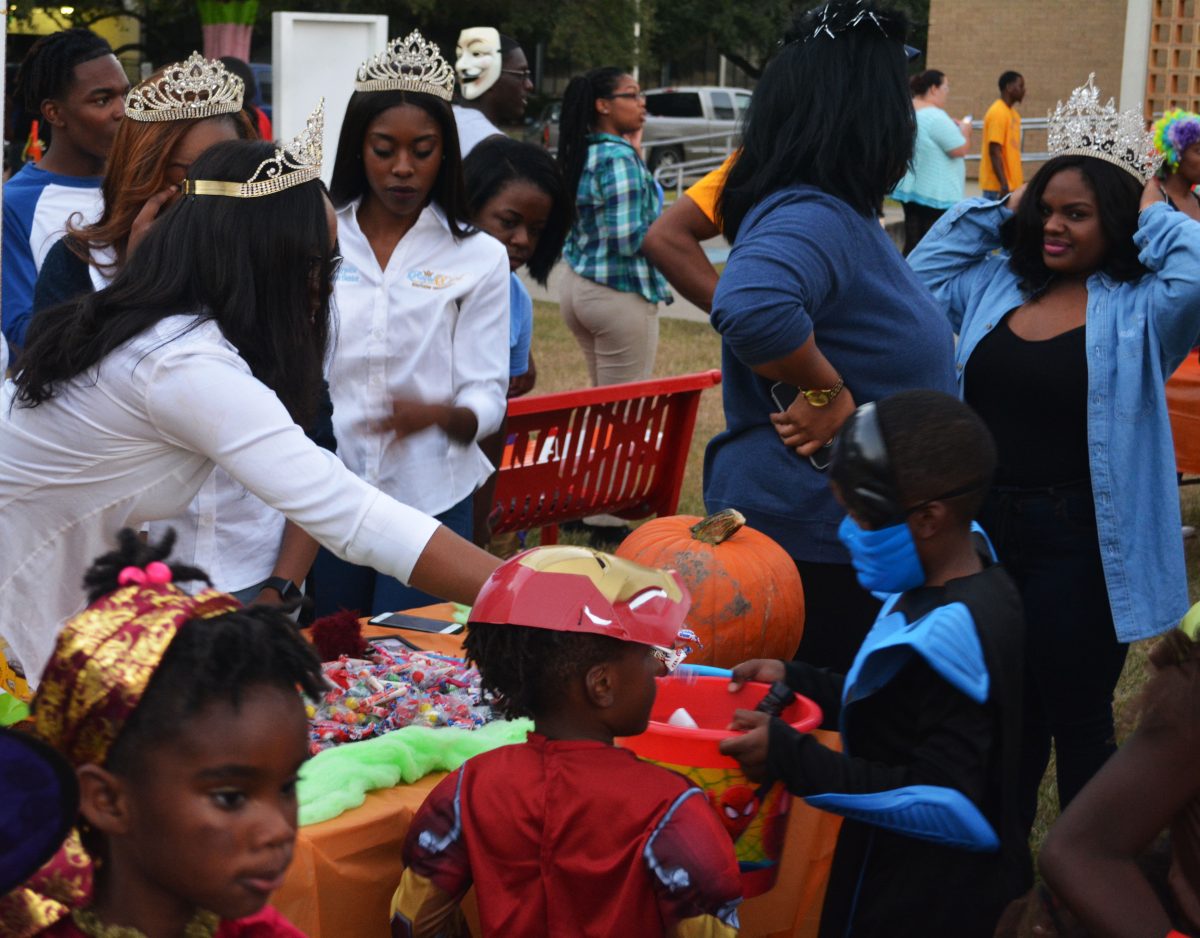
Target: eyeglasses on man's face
522,73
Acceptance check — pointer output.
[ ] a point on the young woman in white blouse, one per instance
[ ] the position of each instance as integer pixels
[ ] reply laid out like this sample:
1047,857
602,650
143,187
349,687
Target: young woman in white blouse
207,351
419,370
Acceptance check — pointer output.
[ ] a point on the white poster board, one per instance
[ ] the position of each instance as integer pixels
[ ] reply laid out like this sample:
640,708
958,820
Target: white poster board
315,55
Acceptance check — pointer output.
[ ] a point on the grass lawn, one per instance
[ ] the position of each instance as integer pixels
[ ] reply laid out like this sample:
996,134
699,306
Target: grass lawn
688,346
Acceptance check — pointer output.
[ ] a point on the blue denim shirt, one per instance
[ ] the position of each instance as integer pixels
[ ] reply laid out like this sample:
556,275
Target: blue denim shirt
1137,334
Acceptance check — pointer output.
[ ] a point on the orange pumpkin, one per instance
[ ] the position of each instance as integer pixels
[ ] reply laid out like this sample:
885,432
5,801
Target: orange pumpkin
747,599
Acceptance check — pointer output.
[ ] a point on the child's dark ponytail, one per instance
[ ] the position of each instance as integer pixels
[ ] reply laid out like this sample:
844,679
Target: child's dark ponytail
132,551
578,114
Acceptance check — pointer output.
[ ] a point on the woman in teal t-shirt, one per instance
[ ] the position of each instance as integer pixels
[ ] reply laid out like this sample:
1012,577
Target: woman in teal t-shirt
934,181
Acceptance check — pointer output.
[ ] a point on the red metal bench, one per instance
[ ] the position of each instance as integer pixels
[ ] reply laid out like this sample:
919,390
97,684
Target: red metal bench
619,449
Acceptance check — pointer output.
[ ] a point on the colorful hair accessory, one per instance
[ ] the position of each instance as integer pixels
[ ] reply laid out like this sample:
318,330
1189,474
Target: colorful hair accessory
190,90
156,572
1174,132
104,658
409,64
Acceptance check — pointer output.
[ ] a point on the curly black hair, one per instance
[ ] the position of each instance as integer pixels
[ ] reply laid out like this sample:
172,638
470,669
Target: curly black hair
526,669
209,660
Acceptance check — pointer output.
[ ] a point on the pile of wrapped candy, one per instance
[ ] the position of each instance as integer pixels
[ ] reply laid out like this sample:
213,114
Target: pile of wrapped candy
394,689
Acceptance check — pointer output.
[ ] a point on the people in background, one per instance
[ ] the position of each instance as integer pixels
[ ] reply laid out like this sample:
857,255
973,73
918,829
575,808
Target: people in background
934,182
1086,284
421,366
1177,138
494,84
257,116
125,401
515,193
816,308
74,83
1000,169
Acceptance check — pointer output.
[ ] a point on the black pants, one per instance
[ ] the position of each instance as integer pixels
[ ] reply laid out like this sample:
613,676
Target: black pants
1047,539
918,219
838,614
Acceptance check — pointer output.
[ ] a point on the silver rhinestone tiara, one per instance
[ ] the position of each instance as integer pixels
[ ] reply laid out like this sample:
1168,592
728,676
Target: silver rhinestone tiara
1084,127
294,163
188,90
408,64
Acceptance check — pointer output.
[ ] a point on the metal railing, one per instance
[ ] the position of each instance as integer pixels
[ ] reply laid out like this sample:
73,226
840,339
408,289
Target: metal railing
674,176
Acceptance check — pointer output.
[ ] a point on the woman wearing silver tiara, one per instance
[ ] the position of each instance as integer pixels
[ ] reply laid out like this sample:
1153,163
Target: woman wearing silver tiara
171,118
1074,301
122,405
420,369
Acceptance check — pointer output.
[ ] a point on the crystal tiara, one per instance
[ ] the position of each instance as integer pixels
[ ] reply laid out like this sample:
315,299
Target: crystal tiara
408,64
188,90
1084,127
294,163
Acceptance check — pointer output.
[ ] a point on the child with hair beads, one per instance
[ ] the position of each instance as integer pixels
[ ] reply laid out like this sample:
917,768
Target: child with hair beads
1151,783
182,719
929,712
566,834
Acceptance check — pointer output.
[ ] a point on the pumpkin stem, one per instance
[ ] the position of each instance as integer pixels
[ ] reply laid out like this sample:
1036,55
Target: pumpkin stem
718,528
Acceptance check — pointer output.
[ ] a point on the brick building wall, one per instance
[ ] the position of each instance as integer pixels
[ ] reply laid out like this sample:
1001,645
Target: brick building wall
1053,43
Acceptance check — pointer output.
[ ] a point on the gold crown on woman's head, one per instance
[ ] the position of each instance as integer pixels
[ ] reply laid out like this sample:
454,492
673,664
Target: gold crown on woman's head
408,64
294,163
1084,127
188,90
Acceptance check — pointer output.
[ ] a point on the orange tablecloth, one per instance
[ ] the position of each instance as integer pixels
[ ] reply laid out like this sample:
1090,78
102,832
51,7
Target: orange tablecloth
345,870
1183,405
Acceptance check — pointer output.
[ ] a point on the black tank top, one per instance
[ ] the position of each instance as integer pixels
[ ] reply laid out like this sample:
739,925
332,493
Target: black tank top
1033,397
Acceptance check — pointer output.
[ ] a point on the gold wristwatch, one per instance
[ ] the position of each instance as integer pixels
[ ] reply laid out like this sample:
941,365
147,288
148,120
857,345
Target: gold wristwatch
823,397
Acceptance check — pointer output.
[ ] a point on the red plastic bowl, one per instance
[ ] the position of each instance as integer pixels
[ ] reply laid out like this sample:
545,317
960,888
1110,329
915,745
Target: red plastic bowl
711,705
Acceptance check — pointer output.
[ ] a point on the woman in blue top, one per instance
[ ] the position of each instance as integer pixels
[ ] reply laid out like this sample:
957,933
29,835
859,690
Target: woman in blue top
934,181
610,294
1074,302
816,308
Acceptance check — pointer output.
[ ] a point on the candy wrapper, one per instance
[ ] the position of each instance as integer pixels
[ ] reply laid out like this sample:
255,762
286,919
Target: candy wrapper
390,689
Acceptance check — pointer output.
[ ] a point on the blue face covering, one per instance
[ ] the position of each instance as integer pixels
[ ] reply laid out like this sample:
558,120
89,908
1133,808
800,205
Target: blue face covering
885,560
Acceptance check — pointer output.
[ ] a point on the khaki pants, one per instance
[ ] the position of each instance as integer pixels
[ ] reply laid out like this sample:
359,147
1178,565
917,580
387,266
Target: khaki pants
617,331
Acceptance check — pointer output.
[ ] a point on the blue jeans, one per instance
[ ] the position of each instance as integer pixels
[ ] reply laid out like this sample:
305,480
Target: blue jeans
1047,540
337,584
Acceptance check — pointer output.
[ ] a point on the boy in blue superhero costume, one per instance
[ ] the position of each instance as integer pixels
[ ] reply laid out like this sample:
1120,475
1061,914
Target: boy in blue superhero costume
929,712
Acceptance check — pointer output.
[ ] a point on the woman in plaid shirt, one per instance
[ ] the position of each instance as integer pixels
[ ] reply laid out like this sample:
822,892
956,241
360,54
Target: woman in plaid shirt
610,296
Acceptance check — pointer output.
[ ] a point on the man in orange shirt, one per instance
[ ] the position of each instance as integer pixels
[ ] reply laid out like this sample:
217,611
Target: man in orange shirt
1000,168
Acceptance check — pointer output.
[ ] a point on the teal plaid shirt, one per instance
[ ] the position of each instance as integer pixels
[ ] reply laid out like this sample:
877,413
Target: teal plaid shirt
615,205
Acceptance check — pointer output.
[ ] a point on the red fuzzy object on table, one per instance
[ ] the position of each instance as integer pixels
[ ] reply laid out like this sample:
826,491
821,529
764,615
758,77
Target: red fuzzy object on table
338,634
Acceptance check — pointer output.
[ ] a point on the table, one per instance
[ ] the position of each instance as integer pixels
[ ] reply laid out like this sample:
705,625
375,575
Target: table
1183,407
345,870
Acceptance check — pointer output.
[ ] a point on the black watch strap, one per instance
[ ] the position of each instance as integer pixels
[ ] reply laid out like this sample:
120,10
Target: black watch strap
283,586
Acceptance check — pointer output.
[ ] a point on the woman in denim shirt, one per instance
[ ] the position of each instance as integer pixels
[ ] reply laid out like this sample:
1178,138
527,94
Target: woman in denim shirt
1073,304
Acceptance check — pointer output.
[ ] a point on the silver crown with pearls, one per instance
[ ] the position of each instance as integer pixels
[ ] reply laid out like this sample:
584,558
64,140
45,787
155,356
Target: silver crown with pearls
408,64
188,90
294,163
1084,127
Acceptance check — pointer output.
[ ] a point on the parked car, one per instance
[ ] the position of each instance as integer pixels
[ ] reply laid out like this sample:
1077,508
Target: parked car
543,129
691,111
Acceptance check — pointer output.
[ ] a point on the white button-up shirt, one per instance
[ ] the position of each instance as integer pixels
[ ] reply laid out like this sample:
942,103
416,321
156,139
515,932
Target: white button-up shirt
432,327
228,533
132,441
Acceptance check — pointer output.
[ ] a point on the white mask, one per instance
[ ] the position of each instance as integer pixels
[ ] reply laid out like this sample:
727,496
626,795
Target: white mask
478,65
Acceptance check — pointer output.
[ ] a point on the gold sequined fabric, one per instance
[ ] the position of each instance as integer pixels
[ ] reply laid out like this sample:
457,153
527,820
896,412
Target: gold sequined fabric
103,660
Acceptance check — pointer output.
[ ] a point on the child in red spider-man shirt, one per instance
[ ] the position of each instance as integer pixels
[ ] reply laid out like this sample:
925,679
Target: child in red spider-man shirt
567,834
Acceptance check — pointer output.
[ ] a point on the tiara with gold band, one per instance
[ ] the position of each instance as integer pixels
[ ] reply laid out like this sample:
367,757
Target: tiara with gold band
408,64
1084,127
294,163
188,90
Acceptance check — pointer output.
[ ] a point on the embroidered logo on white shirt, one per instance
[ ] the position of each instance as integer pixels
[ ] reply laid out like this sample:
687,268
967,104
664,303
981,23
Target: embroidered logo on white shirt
428,280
